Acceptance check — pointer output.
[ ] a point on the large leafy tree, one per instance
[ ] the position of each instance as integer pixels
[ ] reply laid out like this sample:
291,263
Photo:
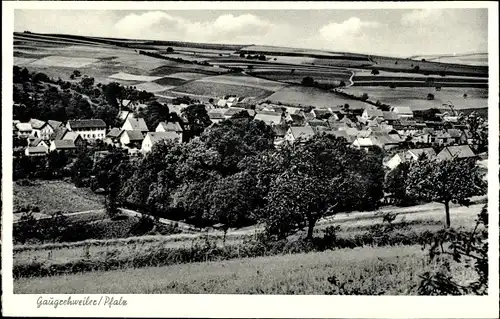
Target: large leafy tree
197,118
317,180
236,139
448,181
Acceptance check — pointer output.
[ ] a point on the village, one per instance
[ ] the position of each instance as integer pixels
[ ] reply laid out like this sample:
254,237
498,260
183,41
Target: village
398,132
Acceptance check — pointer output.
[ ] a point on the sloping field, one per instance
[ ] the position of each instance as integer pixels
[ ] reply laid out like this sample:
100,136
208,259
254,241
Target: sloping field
469,59
386,63
57,195
152,87
305,96
23,61
170,81
171,67
389,270
244,80
214,89
187,76
64,61
133,77
416,98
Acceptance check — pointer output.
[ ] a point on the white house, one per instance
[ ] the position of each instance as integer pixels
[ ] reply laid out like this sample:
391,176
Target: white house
135,124
155,137
170,127
410,155
268,118
299,132
131,139
41,129
93,129
63,145
371,113
402,111
36,151
24,129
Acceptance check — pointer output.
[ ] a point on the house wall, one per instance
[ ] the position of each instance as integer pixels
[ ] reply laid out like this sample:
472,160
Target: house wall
124,139
43,133
91,134
393,162
146,144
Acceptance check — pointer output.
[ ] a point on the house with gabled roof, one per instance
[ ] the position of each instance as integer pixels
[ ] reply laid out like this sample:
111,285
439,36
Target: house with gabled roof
402,111
153,138
41,129
216,115
371,113
456,151
170,127
63,145
457,136
233,111
295,119
413,154
112,138
321,114
301,133
269,119
135,124
35,142
88,129
55,124
36,151
131,139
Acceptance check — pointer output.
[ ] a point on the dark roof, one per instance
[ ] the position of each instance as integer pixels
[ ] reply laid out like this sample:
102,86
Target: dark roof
459,151
390,116
114,132
138,124
64,144
160,136
298,119
37,149
37,124
171,126
54,124
83,124
59,133
316,122
232,111
135,135
34,142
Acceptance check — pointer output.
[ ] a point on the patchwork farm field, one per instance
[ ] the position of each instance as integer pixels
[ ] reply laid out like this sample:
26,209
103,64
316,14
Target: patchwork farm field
247,81
386,270
305,96
214,89
416,98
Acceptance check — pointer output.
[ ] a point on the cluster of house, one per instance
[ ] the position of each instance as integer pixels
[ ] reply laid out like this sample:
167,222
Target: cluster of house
392,130
134,135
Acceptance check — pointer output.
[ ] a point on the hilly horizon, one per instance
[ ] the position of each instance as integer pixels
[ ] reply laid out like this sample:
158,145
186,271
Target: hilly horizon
203,44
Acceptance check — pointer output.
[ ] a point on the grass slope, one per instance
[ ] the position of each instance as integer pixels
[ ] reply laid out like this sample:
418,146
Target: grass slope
52,196
391,271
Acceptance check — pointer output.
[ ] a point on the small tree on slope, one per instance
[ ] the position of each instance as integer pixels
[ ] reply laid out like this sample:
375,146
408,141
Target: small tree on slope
445,181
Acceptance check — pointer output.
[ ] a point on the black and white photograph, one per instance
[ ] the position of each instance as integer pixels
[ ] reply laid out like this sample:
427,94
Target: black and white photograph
249,151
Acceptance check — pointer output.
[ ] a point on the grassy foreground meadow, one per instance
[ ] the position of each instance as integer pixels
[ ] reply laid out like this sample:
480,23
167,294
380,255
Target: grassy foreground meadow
382,270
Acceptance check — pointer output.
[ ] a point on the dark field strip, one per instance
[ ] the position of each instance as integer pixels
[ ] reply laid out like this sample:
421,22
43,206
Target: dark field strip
421,84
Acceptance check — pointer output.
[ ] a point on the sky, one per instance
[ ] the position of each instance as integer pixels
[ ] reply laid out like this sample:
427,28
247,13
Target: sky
394,32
